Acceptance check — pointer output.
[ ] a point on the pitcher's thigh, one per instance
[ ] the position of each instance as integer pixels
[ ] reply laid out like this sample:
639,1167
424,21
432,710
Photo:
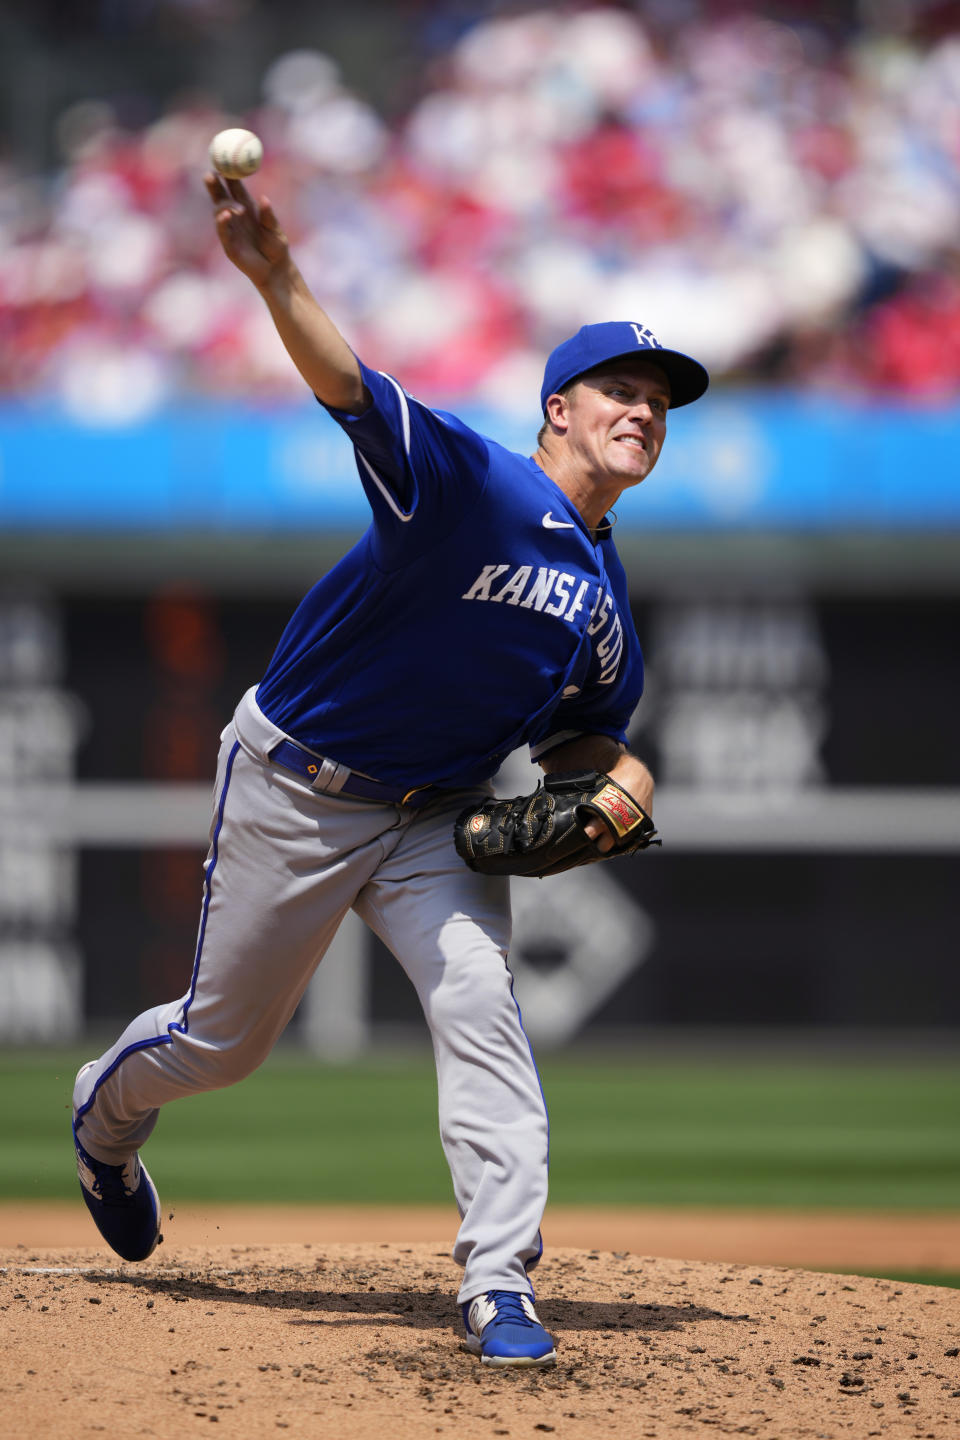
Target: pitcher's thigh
450,930
448,927
275,891
273,896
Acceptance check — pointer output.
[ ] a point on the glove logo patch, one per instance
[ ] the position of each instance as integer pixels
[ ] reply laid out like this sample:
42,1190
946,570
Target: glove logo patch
477,824
612,801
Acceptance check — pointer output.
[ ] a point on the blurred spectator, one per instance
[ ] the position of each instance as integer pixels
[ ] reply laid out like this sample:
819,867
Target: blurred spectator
738,183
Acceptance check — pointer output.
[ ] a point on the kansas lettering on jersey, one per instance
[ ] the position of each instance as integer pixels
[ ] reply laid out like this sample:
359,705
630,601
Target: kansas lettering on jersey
477,613
532,592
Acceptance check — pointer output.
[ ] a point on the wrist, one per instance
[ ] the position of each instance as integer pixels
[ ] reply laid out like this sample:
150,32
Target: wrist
282,281
633,775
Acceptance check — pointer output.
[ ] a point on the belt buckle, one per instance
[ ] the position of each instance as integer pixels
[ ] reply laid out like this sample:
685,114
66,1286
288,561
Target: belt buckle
415,791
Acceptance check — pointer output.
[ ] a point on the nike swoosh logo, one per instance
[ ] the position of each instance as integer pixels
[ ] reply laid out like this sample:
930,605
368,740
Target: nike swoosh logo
549,523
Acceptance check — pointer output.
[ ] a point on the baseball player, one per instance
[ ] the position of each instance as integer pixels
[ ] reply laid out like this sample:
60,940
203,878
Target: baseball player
485,608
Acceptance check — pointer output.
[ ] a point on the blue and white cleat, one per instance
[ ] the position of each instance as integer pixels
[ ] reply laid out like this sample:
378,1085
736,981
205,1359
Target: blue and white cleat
123,1201
503,1329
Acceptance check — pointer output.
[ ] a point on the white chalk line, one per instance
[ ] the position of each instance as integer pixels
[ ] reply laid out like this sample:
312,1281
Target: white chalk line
91,1270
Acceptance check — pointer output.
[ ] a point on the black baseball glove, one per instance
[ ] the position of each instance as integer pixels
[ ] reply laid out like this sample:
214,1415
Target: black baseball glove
542,834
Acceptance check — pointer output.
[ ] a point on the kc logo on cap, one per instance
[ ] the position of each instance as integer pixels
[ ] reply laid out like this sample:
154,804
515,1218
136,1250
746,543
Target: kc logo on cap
645,337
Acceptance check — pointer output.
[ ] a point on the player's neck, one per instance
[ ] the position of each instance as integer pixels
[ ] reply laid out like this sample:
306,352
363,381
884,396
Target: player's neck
591,501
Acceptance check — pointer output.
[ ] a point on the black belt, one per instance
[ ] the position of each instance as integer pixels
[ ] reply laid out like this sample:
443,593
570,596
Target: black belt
294,757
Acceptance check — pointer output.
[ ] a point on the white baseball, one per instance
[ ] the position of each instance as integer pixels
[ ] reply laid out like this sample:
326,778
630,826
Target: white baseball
235,153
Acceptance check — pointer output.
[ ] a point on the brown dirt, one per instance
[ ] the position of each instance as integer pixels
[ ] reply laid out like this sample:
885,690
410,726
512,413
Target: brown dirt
340,1338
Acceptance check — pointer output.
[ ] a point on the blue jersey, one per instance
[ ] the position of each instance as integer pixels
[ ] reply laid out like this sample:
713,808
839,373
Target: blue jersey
476,614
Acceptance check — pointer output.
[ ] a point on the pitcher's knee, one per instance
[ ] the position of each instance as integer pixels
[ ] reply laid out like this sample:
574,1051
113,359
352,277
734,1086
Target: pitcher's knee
205,1065
468,1005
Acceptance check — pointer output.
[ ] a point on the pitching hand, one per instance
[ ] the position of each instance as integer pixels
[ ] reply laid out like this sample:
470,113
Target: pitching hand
249,234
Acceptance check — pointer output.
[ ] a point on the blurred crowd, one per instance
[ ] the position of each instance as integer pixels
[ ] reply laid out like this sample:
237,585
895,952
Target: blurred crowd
782,202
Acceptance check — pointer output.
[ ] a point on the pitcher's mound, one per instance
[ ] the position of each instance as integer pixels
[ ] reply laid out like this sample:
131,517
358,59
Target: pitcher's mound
363,1342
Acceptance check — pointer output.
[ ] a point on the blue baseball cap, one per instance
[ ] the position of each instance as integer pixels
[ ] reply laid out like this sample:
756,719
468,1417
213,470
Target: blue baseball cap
614,340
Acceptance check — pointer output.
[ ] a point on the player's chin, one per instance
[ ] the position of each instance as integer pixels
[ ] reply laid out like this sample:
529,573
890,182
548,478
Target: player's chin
631,464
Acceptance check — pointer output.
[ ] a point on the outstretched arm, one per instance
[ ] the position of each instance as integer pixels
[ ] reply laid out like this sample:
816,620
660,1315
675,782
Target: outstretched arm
252,239
600,752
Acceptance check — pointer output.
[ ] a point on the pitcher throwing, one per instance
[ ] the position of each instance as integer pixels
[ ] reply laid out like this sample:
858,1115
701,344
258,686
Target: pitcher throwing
484,608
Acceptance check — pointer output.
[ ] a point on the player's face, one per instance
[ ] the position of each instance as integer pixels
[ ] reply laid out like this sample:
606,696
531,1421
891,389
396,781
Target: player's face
617,420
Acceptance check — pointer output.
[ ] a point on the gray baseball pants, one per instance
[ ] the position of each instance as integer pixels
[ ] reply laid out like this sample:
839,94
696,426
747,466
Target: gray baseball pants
285,864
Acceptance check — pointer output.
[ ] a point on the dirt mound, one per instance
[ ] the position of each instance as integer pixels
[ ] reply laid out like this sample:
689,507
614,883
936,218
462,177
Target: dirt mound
356,1339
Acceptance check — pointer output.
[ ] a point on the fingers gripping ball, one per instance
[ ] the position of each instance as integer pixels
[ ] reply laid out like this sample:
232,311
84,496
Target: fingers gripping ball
235,153
542,834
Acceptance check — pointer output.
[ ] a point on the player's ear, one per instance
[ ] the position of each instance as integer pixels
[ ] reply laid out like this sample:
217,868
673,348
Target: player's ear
557,411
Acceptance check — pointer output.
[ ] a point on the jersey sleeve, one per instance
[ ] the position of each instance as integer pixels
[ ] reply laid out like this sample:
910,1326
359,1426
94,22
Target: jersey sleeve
420,468
592,717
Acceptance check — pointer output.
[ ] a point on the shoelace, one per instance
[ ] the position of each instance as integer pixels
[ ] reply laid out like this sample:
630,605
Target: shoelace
513,819
509,1307
110,1184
